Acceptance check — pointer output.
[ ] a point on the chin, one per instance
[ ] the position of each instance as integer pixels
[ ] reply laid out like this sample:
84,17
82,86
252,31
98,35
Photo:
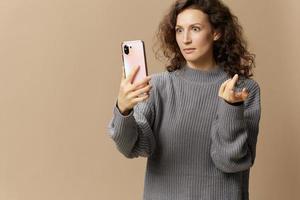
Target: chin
193,58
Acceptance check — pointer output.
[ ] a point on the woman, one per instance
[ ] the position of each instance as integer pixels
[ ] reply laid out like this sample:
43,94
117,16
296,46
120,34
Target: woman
198,126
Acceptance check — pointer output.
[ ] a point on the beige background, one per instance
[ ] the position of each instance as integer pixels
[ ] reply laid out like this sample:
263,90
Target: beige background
60,69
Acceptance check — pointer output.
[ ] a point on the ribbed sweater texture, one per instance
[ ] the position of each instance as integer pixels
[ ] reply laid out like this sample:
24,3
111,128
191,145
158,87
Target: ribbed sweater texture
198,146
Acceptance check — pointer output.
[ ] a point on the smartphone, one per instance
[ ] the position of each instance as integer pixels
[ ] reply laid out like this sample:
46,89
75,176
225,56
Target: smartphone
133,54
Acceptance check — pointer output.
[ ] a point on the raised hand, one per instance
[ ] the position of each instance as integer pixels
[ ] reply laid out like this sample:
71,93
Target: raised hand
227,92
131,93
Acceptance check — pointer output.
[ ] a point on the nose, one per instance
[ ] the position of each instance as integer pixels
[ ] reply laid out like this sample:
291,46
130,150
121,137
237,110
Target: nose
186,37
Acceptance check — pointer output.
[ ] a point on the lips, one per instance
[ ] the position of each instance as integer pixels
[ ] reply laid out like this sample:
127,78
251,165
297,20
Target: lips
189,50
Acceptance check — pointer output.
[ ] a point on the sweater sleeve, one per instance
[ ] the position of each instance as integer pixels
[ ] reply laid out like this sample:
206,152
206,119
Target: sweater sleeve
234,132
132,134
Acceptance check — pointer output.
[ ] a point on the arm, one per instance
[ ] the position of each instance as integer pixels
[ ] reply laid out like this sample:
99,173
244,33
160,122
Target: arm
234,133
132,133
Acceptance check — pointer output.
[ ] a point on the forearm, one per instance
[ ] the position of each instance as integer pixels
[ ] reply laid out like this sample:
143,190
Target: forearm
230,149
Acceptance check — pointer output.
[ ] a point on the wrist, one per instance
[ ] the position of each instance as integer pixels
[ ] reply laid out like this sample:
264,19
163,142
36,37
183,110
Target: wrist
235,103
123,111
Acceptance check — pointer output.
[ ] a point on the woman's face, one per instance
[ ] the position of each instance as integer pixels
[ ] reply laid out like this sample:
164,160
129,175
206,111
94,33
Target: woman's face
193,30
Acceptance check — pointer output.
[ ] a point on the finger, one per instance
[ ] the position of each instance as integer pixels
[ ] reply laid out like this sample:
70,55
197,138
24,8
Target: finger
238,96
222,87
241,96
244,94
232,83
138,99
133,73
142,82
141,91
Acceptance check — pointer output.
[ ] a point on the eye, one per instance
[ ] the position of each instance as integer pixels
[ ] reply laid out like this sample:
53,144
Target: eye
177,29
196,28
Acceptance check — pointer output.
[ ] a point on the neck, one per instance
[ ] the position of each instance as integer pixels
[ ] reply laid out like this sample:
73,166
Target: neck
204,64
201,76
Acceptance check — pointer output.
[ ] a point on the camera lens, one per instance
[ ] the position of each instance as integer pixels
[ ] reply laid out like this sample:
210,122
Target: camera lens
126,49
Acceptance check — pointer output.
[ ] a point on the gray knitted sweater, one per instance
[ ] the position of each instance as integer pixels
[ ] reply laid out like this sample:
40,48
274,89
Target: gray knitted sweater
198,146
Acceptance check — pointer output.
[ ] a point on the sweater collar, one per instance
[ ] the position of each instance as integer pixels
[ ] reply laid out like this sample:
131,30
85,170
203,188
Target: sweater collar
201,76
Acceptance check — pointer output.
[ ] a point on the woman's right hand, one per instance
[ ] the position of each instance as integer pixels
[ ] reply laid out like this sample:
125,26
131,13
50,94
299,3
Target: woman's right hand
129,93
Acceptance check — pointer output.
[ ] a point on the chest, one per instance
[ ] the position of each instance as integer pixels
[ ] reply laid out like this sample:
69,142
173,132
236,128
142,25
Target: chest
188,110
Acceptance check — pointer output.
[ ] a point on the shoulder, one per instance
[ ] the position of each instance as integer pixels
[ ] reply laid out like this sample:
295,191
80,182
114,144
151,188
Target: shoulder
249,83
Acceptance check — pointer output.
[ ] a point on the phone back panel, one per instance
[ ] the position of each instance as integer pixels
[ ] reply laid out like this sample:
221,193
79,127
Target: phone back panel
135,56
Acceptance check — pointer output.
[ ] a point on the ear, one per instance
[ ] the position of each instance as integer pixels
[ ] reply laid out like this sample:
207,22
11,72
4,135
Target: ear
217,35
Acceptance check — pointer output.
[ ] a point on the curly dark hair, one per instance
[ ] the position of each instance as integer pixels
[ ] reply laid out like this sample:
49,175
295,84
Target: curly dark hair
229,51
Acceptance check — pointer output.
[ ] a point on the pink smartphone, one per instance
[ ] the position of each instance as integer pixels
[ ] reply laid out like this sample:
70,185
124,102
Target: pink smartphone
133,54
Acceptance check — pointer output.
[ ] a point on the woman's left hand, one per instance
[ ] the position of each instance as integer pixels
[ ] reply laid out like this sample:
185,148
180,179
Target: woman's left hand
227,92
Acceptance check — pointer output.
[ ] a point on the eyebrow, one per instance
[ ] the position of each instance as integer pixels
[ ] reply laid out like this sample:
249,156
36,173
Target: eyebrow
190,25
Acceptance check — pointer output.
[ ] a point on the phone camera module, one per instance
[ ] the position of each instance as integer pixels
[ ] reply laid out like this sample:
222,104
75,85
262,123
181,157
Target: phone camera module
126,49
